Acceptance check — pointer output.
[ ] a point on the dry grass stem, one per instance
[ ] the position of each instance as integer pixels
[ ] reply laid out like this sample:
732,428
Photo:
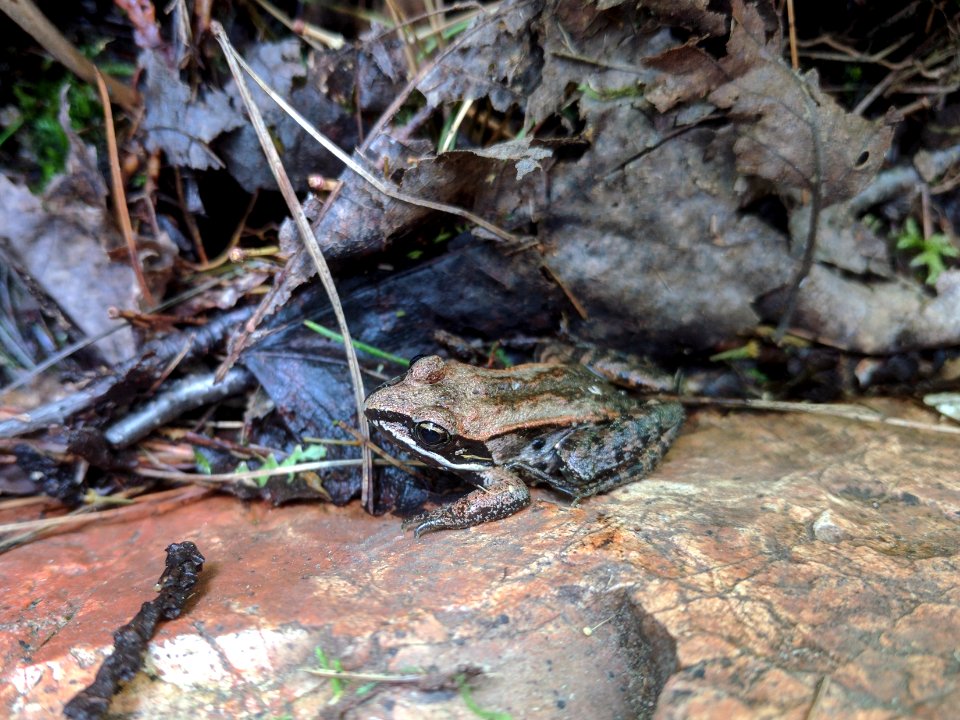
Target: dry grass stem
310,242
119,198
850,412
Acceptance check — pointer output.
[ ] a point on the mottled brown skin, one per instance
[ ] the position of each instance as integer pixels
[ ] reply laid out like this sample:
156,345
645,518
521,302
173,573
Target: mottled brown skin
551,423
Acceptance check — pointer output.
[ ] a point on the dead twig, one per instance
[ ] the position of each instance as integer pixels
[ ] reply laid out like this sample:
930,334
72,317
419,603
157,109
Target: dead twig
399,21
309,33
809,252
253,475
822,687
852,55
792,30
187,394
138,507
188,218
850,412
387,457
66,352
577,305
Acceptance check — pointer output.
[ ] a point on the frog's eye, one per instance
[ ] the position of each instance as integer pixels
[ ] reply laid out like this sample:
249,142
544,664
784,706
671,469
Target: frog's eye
432,435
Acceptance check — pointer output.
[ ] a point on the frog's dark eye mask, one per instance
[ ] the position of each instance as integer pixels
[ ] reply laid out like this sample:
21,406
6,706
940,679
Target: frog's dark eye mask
433,442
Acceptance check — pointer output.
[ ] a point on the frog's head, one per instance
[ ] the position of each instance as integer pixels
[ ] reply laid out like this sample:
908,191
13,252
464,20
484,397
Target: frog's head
424,411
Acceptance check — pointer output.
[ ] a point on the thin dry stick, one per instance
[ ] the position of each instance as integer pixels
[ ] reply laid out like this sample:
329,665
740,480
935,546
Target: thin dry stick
306,234
151,503
383,187
368,677
188,218
794,60
400,23
455,126
822,687
119,199
435,19
29,17
332,40
925,217
577,305
220,478
475,8
881,87
79,345
234,241
849,412
387,457
806,264
849,54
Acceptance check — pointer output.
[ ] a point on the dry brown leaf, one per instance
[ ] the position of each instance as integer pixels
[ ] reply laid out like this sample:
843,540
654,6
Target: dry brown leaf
691,14
494,60
790,132
178,122
691,73
794,135
60,247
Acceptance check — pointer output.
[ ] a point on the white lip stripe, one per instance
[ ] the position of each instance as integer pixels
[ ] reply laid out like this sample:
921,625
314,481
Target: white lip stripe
419,450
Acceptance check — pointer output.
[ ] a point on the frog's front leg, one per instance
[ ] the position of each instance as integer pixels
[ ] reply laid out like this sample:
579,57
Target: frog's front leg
501,494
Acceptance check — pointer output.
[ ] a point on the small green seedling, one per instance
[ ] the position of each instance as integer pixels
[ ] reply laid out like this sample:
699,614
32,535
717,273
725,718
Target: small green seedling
312,453
474,707
336,684
931,250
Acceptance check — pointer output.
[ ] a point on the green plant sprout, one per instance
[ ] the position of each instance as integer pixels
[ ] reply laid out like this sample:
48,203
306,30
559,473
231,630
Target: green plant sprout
336,684
36,122
931,250
472,705
298,455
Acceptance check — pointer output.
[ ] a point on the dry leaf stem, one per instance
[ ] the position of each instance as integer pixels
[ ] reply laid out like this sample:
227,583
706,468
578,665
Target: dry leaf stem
850,412
310,241
119,198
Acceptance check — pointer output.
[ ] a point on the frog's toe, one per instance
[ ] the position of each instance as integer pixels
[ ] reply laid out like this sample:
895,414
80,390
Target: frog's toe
438,519
413,522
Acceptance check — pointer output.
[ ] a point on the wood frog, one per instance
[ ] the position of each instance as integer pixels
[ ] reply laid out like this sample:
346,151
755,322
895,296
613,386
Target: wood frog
553,423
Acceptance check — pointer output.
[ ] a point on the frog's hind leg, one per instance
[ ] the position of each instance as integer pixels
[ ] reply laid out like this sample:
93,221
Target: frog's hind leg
629,448
501,495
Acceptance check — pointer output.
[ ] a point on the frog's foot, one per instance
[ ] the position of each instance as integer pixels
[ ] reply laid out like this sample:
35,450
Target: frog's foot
501,495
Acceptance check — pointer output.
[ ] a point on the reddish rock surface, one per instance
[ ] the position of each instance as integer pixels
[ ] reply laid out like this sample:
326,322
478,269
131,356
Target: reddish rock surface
775,566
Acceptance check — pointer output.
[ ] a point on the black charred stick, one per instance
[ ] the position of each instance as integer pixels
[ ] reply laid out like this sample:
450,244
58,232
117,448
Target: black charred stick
184,563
